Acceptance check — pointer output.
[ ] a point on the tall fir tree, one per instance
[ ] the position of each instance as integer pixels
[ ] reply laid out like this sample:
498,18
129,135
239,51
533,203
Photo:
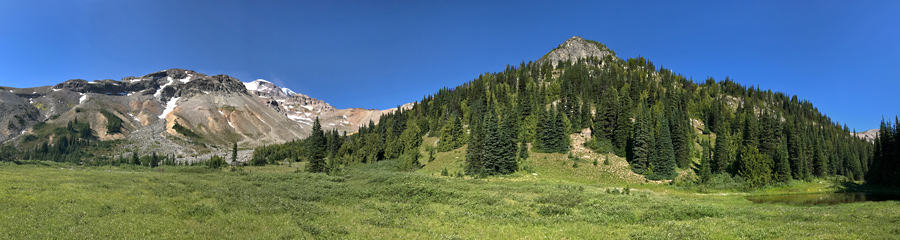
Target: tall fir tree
722,158
681,137
474,150
664,164
234,153
605,118
315,148
507,131
491,152
705,168
782,164
642,143
624,127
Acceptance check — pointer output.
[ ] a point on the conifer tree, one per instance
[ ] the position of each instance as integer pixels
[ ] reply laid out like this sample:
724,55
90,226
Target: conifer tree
642,144
523,150
234,153
782,165
154,160
722,158
820,163
751,131
680,126
561,134
605,119
624,126
705,166
754,167
315,149
507,144
664,164
543,142
585,115
474,150
795,151
135,159
492,151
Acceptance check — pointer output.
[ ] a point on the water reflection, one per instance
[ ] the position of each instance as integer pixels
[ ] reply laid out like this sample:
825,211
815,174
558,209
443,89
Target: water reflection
823,198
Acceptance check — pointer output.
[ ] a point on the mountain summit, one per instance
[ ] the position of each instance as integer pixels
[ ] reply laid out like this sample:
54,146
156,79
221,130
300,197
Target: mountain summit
575,49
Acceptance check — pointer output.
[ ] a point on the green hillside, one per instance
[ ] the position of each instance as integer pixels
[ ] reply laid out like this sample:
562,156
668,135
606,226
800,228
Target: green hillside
649,116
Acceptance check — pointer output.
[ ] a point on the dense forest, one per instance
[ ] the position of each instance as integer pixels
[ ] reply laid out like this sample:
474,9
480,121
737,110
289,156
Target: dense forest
660,121
885,166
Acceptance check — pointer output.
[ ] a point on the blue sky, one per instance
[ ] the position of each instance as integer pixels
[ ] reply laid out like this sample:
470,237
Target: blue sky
843,56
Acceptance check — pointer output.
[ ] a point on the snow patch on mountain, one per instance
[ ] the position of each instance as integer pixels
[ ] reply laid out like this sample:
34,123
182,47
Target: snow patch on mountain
288,91
169,107
159,91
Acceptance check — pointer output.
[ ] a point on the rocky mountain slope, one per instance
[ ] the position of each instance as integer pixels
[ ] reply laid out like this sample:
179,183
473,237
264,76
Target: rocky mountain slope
868,135
575,49
303,109
208,111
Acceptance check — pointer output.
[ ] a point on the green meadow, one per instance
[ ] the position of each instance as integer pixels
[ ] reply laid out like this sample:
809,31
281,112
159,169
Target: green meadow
45,200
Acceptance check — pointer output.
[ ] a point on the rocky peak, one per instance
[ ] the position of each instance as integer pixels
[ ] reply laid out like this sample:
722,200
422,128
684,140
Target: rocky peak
868,135
265,88
288,91
574,49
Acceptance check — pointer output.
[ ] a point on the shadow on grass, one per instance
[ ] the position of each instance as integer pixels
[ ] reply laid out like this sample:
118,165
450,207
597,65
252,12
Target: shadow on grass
855,187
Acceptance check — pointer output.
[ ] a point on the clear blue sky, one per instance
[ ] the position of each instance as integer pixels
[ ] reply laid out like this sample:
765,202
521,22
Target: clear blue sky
843,56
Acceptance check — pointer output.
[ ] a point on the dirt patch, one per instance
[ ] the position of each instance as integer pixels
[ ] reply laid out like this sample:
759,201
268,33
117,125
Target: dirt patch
618,166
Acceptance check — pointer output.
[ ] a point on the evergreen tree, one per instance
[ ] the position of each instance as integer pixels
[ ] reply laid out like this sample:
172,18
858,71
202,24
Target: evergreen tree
452,135
624,129
820,163
664,164
705,169
492,151
154,160
751,131
681,138
474,150
754,167
315,146
722,157
795,151
234,153
134,158
782,164
605,118
641,145
523,150
508,163
561,135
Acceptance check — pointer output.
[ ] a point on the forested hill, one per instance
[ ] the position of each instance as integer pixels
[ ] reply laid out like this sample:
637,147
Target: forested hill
659,120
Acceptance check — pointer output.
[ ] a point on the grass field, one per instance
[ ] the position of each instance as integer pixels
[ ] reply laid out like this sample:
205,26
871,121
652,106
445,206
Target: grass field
49,201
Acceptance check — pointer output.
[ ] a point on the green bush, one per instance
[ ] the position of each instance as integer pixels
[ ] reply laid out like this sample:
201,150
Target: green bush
216,162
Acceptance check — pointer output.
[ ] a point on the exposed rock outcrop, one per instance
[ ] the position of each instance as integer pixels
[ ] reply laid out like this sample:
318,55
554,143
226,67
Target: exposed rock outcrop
575,49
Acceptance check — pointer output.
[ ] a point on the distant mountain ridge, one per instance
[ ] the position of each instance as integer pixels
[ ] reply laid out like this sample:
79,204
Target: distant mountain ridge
219,109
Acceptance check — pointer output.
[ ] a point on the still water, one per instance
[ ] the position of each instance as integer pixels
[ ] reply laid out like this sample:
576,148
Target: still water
823,198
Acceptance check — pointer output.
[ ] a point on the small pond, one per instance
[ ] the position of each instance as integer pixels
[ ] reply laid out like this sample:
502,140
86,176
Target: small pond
823,198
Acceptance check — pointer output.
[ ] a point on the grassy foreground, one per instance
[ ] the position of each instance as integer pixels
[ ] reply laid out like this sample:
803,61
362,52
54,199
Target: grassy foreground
375,201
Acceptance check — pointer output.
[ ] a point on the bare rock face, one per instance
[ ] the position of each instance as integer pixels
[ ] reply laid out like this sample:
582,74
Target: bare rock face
868,135
268,89
304,109
575,49
216,110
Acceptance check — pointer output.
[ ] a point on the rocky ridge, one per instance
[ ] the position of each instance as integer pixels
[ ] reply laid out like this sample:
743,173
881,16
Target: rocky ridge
575,49
868,135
